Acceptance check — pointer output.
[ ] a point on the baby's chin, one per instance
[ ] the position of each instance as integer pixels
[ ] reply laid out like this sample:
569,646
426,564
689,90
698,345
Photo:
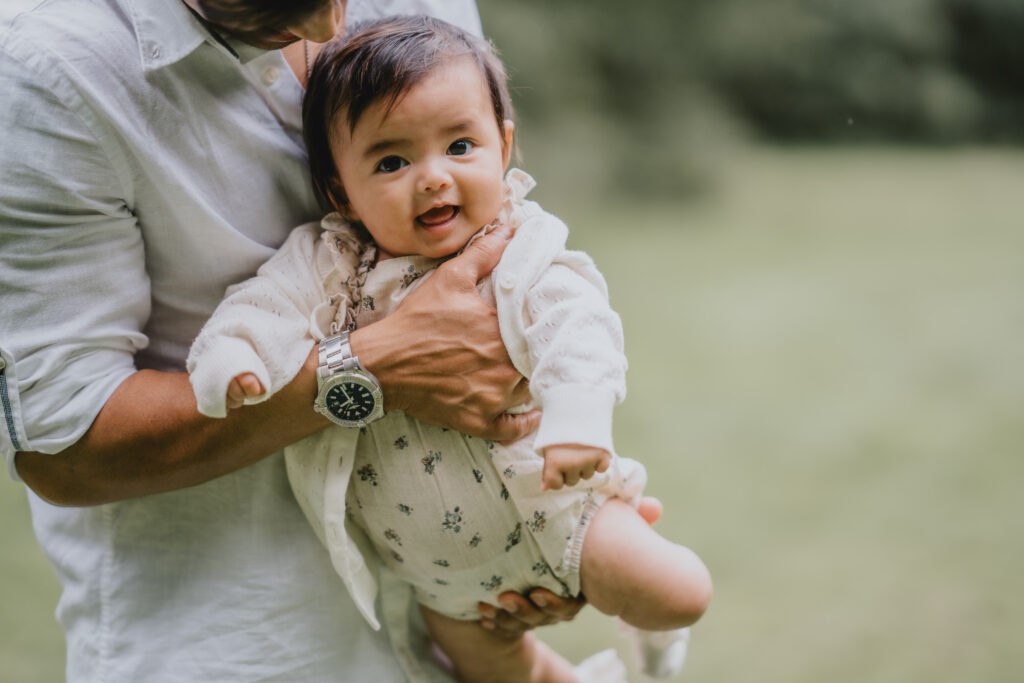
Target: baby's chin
384,254
451,244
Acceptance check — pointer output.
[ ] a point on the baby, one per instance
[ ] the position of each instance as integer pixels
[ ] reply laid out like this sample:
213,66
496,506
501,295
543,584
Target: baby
409,131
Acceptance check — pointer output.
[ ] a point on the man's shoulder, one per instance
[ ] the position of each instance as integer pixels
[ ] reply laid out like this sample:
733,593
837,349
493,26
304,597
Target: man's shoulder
12,8
65,34
78,56
54,20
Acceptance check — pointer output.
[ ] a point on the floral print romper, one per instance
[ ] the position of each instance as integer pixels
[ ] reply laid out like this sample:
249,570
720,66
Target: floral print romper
464,519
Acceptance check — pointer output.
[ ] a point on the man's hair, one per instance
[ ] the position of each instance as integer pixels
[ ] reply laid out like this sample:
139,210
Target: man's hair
379,62
257,16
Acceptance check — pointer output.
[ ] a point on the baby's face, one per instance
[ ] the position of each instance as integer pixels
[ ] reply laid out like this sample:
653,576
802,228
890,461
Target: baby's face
425,176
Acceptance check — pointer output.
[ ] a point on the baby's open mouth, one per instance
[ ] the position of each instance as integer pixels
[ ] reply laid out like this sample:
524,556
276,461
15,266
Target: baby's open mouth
437,216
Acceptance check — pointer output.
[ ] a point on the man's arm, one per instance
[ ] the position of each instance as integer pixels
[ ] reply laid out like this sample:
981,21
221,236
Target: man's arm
444,362
149,438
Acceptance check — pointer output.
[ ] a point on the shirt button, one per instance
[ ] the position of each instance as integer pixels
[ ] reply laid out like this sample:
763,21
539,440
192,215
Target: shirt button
507,283
270,75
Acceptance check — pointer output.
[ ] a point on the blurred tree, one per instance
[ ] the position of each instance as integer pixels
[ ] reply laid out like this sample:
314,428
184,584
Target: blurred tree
607,94
988,48
652,90
918,70
828,69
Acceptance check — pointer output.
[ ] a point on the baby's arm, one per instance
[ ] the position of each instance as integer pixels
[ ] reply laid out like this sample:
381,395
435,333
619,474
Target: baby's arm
260,330
575,343
567,463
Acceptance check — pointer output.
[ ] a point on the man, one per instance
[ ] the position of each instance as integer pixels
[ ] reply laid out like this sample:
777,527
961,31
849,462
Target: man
152,156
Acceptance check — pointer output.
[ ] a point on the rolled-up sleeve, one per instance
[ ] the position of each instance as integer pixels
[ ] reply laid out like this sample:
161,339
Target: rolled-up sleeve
73,285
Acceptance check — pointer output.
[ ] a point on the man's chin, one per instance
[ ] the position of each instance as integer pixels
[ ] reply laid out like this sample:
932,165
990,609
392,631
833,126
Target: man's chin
264,41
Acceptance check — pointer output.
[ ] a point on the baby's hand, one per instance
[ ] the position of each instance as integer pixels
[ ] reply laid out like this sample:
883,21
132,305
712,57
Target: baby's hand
246,385
567,463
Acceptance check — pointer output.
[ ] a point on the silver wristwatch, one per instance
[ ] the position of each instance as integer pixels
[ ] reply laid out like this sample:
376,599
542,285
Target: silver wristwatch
348,394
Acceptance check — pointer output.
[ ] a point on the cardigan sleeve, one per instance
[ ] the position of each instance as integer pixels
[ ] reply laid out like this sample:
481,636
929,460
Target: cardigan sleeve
262,326
576,353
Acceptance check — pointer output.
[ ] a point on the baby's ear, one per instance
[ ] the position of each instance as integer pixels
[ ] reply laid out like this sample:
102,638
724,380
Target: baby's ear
509,134
340,201
346,210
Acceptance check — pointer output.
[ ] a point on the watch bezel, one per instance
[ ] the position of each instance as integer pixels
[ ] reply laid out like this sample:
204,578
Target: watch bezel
326,385
338,365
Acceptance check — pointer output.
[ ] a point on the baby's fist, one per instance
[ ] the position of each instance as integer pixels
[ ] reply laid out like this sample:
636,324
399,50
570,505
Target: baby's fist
246,385
566,464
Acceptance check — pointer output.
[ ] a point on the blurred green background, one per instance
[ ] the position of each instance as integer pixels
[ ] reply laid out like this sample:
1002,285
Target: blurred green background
810,218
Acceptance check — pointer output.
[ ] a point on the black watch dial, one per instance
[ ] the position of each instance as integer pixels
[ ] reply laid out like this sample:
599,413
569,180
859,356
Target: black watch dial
350,401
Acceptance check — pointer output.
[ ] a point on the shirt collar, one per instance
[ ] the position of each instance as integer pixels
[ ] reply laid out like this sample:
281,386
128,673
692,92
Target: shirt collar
168,32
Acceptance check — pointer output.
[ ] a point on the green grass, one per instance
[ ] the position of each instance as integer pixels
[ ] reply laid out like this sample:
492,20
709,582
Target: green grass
32,645
826,382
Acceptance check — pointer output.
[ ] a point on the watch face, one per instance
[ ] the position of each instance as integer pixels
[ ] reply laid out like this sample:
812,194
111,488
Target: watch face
350,401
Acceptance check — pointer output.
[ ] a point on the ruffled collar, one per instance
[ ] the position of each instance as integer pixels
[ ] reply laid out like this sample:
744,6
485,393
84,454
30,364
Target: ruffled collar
517,185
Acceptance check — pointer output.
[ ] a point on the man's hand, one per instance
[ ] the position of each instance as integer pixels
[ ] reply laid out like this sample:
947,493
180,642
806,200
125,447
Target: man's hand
440,357
523,612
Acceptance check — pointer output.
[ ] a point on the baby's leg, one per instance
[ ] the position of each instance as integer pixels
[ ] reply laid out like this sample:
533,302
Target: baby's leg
480,656
628,570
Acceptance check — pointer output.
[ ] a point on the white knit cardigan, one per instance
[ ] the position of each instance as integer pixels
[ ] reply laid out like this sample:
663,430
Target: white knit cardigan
553,313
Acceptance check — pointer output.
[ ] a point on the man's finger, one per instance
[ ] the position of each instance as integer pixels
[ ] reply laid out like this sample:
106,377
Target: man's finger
518,616
506,428
518,608
521,393
481,256
555,607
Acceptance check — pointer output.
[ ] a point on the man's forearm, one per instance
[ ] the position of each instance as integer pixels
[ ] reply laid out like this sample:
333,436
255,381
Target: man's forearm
149,438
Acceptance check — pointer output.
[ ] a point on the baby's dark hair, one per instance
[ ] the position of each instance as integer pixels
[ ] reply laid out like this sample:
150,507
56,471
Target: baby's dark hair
379,62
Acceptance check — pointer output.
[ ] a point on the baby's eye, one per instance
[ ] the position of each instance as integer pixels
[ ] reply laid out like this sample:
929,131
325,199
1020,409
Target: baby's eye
391,164
460,148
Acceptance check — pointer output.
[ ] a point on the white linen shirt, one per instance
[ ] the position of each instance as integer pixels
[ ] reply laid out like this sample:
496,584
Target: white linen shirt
144,166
